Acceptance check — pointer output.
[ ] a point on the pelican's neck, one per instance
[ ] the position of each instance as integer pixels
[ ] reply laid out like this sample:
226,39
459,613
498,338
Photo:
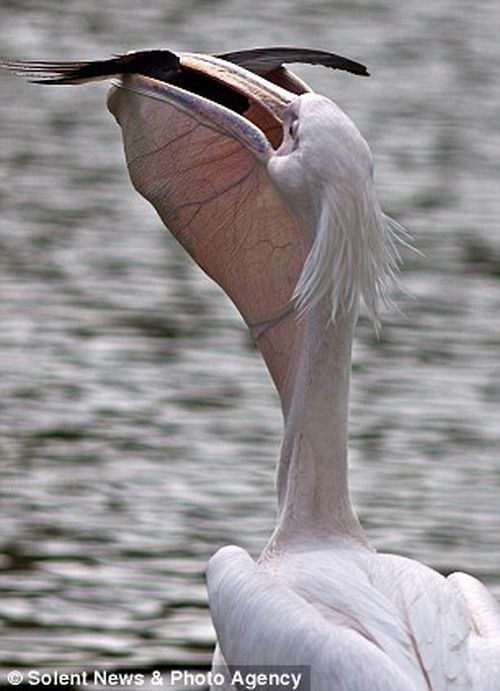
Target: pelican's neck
313,494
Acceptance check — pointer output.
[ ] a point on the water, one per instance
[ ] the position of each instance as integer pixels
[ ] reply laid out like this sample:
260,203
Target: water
139,429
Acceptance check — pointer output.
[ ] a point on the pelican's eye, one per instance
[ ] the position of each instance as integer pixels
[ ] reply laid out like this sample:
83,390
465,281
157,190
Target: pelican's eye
290,139
293,128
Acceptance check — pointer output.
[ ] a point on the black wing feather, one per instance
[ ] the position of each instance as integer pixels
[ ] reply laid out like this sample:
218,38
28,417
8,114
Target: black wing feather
265,60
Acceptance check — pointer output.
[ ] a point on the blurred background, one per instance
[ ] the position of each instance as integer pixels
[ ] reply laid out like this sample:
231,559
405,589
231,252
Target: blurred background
139,430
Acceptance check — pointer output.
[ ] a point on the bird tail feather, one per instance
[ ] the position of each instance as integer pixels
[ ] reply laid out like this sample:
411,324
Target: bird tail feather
151,63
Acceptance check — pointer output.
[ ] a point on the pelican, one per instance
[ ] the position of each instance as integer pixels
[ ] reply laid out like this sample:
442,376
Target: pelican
269,187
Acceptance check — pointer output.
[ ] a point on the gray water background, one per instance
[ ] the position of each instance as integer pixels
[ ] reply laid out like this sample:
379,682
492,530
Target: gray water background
139,429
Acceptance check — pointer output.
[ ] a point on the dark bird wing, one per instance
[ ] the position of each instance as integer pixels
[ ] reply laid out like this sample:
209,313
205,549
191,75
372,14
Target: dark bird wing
167,66
265,60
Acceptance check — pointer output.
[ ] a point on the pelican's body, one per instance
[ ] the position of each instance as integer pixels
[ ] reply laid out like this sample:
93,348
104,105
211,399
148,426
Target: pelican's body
270,189
362,621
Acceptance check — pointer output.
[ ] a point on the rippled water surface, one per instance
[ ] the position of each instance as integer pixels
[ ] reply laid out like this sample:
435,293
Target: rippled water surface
139,429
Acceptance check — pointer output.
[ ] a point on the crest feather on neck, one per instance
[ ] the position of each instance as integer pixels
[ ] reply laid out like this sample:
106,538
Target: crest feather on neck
354,255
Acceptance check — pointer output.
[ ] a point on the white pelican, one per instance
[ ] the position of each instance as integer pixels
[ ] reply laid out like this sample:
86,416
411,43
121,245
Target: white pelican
269,187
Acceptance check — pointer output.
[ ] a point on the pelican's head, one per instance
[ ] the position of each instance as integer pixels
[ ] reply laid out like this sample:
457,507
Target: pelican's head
321,144
324,169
